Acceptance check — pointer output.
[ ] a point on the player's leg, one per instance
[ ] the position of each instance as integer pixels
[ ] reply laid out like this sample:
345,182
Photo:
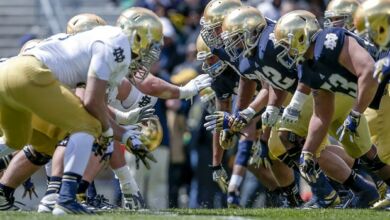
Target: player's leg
283,174
132,197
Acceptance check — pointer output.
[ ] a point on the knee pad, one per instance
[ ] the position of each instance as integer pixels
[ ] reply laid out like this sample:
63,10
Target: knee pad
372,165
35,157
243,152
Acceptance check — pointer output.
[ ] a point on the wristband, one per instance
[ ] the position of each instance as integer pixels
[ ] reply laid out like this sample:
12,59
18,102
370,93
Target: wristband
108,133
298,100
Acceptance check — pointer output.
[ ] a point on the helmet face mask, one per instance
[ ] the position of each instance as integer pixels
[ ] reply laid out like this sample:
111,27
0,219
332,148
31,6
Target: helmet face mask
211,33
344,21
340,13
215,69
211,64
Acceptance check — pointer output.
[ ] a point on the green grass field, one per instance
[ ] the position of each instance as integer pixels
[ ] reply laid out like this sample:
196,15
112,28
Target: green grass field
215,214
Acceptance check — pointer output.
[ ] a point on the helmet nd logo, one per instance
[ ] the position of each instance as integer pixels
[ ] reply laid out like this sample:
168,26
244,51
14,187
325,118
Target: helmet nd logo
331,41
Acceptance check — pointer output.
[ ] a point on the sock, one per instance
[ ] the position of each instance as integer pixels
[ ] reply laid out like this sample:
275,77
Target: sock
357,183
244,152
54,185
83,186
8,191
322,188
48,168
127,182
291,192
77,153
4,161
91,191
70,182
235,181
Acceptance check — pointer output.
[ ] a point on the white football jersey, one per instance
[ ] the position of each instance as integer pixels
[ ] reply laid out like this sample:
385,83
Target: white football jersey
69,56
135,99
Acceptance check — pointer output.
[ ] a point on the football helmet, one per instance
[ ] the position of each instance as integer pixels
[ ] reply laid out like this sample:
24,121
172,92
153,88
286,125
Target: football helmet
144,30
241,30
294,32
84,22
211,64
372,20
29,45
340,13
151,133
212,18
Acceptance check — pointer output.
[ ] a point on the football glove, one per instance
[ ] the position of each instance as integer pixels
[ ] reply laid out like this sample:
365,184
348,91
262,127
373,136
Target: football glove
242,118
219,120
382,69
220,177
135,116
307,167
270,116
106,138
193,87
226,139
349,127
260,155
290,115
29,189
132,141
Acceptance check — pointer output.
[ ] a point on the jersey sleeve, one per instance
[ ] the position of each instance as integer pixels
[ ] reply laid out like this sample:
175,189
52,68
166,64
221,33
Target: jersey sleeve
99,66
329,44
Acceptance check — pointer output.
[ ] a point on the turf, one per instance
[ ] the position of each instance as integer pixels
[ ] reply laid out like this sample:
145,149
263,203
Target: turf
214,214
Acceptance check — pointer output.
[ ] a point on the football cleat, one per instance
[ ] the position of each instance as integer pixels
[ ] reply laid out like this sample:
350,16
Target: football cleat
384,203
330,201
100,203
47,203
365,199
133,201
72,207
8,203
233,200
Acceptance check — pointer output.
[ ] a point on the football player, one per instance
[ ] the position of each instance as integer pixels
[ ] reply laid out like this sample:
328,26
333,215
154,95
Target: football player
371,21
129,106
333,63
262,57
340,13
211,23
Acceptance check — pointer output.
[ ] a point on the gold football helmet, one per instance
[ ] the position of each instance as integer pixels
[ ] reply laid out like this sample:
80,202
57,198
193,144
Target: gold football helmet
211,64
294,32
29,45
241,30
340,13
373,20
144,30
213,15
151,133
84,22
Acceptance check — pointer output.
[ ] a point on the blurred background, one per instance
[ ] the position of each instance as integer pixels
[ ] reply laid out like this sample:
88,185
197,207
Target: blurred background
182,177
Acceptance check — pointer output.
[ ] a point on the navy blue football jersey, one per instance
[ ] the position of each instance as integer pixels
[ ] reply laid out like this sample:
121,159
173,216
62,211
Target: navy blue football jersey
225,85
263,65
324,70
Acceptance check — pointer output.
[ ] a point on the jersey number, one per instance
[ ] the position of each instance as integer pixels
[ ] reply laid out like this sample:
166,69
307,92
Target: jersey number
272,76
336,81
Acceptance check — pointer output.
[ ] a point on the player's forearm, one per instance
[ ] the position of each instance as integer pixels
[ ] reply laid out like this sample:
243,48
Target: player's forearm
260,101
276,97
221,105
98,109
367,87
157,87
318,129
246,91
217,150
